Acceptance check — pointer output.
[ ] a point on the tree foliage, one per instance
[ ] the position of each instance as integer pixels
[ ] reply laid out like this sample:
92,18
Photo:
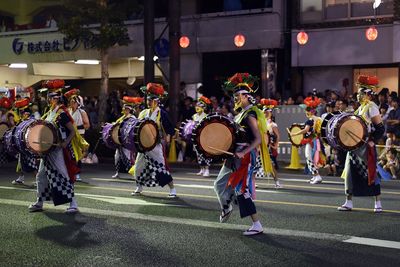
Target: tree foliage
99,22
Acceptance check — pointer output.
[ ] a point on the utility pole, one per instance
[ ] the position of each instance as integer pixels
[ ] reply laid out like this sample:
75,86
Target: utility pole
148,41
174,8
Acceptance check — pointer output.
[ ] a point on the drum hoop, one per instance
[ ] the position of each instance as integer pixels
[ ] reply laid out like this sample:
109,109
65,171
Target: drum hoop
106,135
136,133
112,130
301,126
208,120
340,123
50,126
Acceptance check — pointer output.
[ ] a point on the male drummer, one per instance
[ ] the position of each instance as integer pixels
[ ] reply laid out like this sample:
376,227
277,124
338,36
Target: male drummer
26,163
360,173
235,178
203,105
59,167
80,117
124,158
150,167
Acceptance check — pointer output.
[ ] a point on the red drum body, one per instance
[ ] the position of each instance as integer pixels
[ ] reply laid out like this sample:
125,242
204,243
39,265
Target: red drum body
214,135
36,137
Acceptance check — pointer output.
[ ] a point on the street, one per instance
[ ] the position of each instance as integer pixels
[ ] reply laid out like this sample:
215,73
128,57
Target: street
302,226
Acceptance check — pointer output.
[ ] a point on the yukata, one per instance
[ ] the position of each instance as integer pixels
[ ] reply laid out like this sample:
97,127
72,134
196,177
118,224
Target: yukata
313,150
150,167
235,179
57,169
360,170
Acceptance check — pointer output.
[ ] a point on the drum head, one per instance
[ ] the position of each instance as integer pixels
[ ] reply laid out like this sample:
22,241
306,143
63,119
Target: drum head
146,135
40,137
296,140
351,133
115,134
216,136
3,129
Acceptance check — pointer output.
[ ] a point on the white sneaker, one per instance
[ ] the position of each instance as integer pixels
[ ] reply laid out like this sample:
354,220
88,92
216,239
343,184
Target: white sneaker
200,172
18,181
317,180
172,193
138,191
206,173
278,185
115,176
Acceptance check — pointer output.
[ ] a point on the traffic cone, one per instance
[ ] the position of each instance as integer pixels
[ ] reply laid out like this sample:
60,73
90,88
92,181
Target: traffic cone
172,151
295,159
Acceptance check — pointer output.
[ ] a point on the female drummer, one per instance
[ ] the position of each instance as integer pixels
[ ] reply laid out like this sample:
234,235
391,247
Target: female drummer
124,158
26,163
236,175
273,135
313,148
59,167
79,116
360,172
203,105
150,167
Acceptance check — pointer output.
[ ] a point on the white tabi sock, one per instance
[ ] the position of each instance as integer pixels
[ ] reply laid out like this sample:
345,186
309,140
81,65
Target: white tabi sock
256,225
378,204
73,203
348,203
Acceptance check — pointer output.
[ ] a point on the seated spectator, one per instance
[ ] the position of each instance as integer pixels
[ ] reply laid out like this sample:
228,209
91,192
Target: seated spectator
187,109
391,162
226,111
334,163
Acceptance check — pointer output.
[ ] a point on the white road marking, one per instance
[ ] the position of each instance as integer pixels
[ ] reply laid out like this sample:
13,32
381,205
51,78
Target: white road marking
226,226
373,242
124,200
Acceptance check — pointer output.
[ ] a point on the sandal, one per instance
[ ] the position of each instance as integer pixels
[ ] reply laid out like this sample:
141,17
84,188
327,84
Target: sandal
344,208
71,210
225,214
378,210
35,208
250,232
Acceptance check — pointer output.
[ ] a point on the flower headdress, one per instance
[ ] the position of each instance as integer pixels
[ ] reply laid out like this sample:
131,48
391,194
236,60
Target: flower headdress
72,93
241,83
22,104
131,102
54,87
268,104
203,102
154,90
5,102
311,102
367,84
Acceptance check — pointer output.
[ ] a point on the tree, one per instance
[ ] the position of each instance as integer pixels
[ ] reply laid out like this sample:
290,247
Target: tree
99,24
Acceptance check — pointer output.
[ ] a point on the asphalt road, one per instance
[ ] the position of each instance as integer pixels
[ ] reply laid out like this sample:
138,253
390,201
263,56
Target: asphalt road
301,225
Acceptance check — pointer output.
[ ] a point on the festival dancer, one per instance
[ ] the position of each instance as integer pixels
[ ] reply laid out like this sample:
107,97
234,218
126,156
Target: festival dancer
360,172
79,116
272,137
57,169
26,163
313,147
150,167
124,158
5,105
203,105
235,178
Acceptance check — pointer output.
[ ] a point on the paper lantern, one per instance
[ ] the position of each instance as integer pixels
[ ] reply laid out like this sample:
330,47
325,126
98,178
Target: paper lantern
371,33
184,41
239,40
302,38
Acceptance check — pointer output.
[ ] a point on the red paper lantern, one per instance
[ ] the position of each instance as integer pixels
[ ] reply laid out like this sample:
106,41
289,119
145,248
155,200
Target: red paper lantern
239,40
302,38
371,33
184,41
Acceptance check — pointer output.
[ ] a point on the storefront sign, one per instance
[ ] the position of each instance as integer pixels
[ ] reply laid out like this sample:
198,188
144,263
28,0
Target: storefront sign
45,46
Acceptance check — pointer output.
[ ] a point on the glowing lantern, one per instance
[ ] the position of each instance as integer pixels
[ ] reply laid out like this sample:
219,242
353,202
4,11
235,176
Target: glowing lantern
239,40
371,33
302,38
184,41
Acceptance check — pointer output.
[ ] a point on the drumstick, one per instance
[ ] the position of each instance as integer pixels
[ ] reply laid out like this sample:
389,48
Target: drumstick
288,131
351,134
220,150
46,143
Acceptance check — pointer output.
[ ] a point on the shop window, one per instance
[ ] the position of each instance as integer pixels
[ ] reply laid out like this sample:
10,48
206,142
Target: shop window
336,9
362,8
214,6
311,10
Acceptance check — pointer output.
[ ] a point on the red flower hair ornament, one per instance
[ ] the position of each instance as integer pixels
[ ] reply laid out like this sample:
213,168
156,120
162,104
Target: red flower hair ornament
154,90
241,82
268,104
